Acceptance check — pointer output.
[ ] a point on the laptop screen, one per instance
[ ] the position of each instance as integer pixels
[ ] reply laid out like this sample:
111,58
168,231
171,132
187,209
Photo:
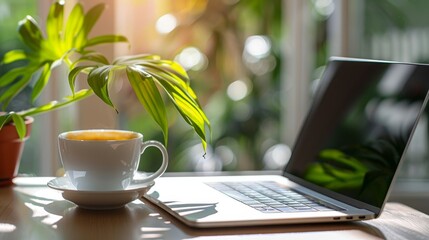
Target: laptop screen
358,127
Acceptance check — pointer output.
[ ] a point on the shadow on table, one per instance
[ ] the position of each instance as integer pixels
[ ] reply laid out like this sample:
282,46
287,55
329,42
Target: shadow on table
142,220
48,216
123,223
300,231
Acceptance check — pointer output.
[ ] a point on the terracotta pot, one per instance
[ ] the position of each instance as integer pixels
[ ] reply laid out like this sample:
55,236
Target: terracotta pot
11,148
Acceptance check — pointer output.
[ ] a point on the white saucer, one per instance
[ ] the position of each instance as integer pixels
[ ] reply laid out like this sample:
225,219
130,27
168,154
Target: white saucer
99,199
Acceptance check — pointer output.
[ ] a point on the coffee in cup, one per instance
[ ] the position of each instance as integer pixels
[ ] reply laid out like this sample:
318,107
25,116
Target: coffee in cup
105,160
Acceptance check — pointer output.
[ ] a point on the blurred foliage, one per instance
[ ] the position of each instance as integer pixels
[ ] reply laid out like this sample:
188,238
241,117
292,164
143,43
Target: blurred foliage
242,130
12,12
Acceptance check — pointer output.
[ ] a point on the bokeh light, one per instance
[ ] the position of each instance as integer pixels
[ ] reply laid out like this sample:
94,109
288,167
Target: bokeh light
257,46
192,58
166,23
277,156
237,90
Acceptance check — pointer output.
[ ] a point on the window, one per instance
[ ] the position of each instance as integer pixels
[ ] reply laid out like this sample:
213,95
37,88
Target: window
254,66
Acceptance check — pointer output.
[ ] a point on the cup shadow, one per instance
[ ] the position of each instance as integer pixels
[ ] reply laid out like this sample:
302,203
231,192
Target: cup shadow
78,223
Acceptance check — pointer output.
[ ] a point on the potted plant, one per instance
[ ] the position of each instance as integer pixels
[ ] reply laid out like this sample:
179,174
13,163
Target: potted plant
66,41
15,129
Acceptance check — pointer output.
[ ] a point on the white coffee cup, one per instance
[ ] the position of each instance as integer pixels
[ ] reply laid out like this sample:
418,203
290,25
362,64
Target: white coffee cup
106,160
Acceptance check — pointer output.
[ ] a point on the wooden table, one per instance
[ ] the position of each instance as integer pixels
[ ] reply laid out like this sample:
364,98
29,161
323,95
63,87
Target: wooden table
31,210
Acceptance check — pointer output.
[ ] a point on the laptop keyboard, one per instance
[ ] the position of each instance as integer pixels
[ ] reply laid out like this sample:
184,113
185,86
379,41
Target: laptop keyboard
270,197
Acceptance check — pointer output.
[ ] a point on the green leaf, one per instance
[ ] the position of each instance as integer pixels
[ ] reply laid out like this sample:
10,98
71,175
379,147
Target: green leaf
13,56
74,25
20,125
98,80
16,88
92,17
5,118
17,119
79,42
193,115
105,39
30,33
74,73
149,96
93,57
54,24
175,69
135,59
178,85
172,75
175,81
50,52
13,74
172,69
45,73
53,105
189,109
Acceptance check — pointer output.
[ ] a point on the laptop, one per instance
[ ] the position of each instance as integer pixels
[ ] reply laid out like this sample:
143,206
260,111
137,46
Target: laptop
343,162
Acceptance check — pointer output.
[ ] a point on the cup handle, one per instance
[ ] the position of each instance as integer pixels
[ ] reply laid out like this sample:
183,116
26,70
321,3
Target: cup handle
163,166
